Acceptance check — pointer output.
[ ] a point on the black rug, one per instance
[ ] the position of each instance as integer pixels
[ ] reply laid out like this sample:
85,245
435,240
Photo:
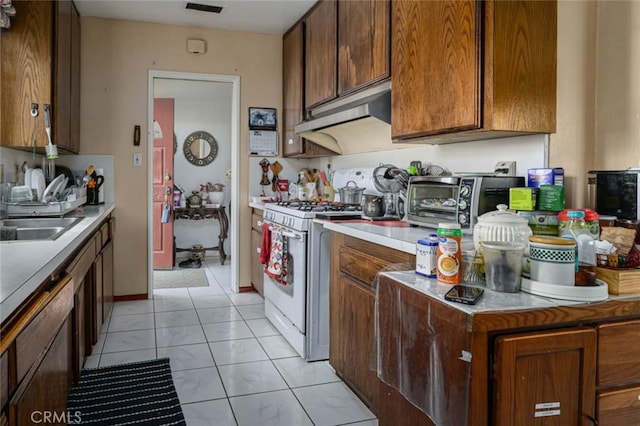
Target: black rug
140,393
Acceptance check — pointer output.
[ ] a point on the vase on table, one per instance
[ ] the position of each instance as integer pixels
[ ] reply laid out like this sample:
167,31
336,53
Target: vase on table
216,197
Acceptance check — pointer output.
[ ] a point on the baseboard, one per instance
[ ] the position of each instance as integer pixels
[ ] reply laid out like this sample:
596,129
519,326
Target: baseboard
245,289
128,297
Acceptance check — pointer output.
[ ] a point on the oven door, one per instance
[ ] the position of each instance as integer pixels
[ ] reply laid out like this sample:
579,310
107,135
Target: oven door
290,299
431,201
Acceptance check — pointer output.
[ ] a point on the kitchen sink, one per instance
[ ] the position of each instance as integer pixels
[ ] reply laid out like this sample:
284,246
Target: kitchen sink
36,229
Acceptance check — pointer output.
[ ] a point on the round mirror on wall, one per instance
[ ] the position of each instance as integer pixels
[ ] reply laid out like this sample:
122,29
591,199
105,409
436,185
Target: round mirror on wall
200,148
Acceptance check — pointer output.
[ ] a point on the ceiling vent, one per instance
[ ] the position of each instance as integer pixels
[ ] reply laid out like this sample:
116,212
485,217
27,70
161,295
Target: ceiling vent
204,7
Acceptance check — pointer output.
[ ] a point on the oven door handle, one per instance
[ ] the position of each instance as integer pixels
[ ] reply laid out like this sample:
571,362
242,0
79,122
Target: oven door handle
289,234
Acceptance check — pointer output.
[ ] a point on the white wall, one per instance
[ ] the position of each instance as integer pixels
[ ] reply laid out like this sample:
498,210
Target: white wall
79,163
12,159
477,156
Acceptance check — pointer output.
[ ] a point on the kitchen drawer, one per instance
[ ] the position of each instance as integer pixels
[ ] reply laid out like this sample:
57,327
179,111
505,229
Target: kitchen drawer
618,349
37,334
363,260
4,379
256,222
360,265
620,407
104,232
82,263
386,254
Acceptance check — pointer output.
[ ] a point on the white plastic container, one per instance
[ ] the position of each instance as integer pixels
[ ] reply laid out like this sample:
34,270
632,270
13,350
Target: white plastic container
503,226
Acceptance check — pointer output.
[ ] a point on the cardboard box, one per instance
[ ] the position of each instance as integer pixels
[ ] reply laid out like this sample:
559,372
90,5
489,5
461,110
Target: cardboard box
542,223
522,198
537,177
620,281
551,198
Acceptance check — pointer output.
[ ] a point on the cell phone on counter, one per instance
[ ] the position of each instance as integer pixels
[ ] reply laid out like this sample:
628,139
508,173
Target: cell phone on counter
464,294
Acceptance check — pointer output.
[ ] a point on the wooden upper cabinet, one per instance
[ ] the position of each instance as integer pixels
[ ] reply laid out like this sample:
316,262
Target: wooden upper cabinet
293,85
485,69
62,76
293,92
41,65
363,43
321,53
434,66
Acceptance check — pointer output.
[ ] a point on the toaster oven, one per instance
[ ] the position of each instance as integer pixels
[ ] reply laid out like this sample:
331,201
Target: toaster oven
461,199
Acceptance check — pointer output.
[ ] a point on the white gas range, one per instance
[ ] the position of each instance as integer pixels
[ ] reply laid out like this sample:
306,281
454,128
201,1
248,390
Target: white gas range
300,309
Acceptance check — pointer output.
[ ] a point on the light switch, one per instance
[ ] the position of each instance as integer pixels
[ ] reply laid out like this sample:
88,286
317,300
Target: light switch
137,159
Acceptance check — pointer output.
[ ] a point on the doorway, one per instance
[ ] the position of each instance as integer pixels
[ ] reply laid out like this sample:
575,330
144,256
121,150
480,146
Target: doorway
222,127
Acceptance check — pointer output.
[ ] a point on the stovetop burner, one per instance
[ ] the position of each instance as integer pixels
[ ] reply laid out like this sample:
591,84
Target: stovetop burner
320,206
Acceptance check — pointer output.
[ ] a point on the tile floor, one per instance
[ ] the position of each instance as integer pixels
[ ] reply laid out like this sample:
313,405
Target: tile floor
230,365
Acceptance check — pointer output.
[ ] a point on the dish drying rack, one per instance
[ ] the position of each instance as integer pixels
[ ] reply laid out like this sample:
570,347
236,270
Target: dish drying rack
43,209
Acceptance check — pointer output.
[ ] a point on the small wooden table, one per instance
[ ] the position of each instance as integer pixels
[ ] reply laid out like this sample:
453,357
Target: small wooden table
201,213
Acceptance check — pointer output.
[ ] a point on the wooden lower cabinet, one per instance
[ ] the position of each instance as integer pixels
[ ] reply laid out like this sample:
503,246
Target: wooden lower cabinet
618,380
4,379
357,340
44,390
619,407
44,346
353,344
257,268
107,280
534,366
545,378
97,297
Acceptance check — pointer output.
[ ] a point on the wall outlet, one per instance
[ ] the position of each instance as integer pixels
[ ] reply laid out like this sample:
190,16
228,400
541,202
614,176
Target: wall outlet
137,159
505,168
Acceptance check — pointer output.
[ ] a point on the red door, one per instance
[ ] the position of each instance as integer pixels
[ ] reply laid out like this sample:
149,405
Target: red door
162,182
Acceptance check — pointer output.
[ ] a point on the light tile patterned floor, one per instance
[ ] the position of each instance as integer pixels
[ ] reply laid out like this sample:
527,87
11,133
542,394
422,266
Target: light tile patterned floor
230,365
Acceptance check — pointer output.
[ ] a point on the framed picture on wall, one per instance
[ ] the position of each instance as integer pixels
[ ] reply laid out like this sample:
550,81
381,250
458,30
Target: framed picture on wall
262,118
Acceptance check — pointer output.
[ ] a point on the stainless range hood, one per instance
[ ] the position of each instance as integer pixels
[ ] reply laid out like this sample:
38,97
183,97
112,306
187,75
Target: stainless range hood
353,124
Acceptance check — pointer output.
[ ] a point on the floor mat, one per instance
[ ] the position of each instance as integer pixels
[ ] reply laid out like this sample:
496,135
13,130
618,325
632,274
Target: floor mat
180,278
136,393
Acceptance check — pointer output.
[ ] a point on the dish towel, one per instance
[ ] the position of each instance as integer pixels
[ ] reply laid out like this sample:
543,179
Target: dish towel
265,247
278,265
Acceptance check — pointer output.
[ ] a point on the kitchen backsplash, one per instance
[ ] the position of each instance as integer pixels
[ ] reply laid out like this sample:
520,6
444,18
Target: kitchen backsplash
78,165
477,156
12,159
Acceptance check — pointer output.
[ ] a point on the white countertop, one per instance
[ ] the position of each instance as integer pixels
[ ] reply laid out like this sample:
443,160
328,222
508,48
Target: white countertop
256,205
399,237
491,300
25,265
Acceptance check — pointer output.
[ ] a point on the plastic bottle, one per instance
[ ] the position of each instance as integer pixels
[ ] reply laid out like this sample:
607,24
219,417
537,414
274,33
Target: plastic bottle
578,230
183,201
449,258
